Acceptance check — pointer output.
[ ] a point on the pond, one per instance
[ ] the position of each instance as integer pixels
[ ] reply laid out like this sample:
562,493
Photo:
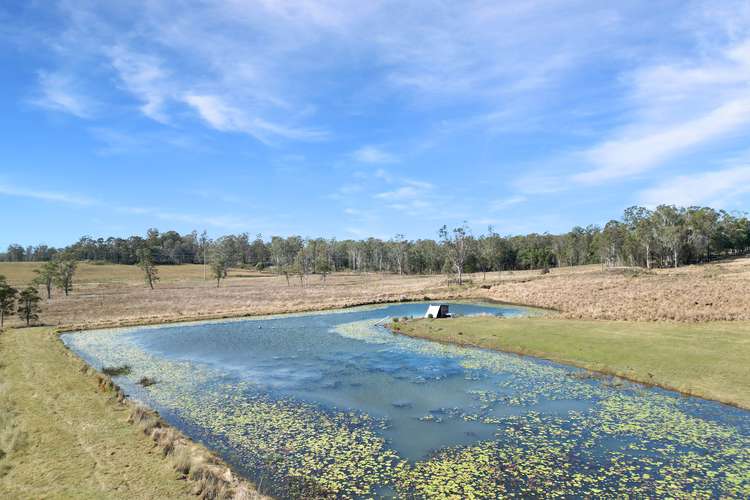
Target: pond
333,404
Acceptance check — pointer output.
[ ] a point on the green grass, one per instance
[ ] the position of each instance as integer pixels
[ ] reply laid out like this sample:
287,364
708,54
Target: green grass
76,440
710,360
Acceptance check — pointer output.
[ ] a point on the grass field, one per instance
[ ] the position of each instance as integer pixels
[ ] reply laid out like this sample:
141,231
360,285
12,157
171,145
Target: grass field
60,437
711,292
705,359
88,274
112,295
71,440
63,435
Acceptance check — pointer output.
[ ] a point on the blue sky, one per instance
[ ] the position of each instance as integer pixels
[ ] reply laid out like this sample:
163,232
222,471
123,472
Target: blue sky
355,119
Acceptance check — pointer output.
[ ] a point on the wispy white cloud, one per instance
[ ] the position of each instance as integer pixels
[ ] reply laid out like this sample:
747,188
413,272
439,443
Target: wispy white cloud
144,76
269,67
43,195
225,221
677,108
718,188
221,116
410,196
59,92
508,202
373,154
409,190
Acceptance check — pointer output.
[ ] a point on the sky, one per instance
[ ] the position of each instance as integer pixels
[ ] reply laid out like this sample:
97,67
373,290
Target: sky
354,119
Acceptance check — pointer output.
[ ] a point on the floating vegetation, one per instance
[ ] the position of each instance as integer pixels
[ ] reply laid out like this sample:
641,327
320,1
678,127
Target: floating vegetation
116,371
336,406
146,381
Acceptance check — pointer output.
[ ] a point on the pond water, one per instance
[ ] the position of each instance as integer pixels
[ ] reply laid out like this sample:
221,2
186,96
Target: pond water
333,404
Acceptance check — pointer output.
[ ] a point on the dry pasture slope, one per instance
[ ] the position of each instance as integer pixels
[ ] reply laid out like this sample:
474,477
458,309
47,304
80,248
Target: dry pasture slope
717,291
110,295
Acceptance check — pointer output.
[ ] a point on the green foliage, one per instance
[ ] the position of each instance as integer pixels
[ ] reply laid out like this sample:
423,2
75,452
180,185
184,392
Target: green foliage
147,264
28,304
663,237
114,371
46,276
219,268
8,296
65,269
146,381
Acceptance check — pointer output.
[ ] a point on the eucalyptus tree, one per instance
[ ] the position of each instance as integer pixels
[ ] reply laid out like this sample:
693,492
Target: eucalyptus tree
702,227
642,224
28,304
488,249
398,246
219,267
148,266
8,296
65,270
671,231
46,276
455,243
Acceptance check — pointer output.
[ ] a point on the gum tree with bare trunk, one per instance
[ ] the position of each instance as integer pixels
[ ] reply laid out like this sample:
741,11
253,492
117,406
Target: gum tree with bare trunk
455,243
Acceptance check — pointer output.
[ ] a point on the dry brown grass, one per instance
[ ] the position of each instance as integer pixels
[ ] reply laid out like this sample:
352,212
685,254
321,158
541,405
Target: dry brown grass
122,298
114,295
710,292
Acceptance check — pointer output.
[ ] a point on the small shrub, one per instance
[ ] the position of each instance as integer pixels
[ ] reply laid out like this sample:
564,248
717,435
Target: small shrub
430,316
138,414
115,371
168,441
183,460
395,320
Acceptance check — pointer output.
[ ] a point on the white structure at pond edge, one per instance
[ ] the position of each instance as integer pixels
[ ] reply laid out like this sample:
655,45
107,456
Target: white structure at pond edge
437,311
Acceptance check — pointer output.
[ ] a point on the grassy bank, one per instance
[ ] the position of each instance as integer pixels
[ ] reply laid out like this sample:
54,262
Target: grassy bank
709,360
63,432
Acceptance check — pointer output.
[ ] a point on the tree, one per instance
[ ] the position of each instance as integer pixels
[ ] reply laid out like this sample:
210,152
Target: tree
702,223
219,267
398,249
488,247
147,265
455,244
671,231
65,270
640,221
7,300
15,253
46,276
28,304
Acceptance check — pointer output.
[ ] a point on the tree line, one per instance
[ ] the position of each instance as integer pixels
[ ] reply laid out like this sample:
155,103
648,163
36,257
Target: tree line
667,236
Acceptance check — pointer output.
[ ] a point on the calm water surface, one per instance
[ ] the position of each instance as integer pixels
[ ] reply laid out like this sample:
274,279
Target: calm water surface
333,404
